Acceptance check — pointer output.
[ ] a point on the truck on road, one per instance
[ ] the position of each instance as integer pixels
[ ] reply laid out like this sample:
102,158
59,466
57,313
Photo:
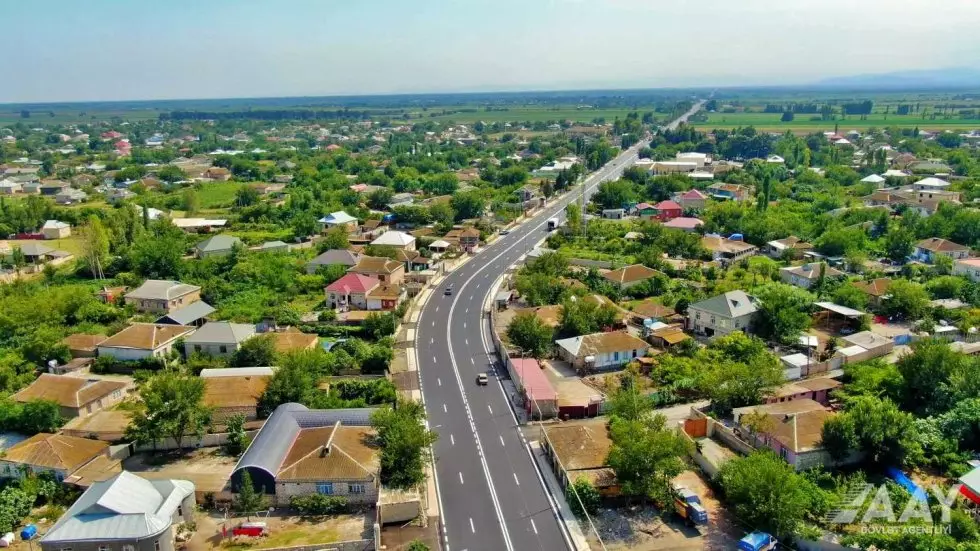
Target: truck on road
757,541
553,223
688,506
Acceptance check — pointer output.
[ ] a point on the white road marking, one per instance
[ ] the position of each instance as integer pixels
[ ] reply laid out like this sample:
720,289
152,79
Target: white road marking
444,408
533,527
461,477
472,528
490,408
515,479
437,308
472,361
467,311
467,343
464,325
471,297
432,340
433,359
433,324
501,439
438,380
452,440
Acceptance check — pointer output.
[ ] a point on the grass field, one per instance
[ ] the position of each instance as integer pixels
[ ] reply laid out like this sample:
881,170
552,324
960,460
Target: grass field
71,244
533,113
771,122
217,194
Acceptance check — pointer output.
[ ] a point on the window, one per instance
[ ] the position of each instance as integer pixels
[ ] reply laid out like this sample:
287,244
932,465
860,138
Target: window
223,349
355,488
66,549
197,348
156,545
128,548
324,488
103,548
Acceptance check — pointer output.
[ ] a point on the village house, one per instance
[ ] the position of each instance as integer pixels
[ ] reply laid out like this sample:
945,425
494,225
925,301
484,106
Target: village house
142,341
581,451
876,289
333,257
383,269
194,314
82,345
600,351
684,223
727,251
729,192
792,429
928,249
54,229
218,245
75,396
666,211
791,247
57,454
722,314
218,338
630,276
217,174
299,451
350,291
816,389
162,296
385,297
808,275
125,512
691,199
235,391
339,219
967,267
293,339
469,239
396,239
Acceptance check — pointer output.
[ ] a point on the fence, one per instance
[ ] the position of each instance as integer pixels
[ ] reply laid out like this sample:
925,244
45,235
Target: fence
206,441
350,545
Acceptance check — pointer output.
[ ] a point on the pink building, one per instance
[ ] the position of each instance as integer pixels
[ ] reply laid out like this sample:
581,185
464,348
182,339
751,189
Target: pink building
540,398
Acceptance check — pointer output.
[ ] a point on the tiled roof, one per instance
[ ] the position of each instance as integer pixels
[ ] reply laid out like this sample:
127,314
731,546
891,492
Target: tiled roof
222,332
332,453
630,274
161,289
386,291
683,223
146,336
936,245
876,287
81,341
376,265
353,283
71,392
287,341
668,205
601,343
55,451
580,446
730,305
652,309
234,392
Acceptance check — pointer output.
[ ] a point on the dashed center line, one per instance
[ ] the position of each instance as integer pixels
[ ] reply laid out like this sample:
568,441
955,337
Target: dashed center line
490,408
533,527
444,411
515,479
501,438
461,477
473,528
439,380
452,440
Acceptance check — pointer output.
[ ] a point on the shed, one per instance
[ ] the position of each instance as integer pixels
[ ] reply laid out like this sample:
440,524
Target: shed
540,398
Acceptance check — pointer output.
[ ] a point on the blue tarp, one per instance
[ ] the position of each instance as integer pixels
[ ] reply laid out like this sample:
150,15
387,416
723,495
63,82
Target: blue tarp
905,482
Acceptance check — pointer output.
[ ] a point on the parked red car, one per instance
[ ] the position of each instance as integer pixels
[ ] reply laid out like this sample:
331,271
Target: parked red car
254,529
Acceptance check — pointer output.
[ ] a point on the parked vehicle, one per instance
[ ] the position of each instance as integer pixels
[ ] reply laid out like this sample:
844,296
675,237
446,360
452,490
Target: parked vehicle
688,506
553,223
253,529
757,541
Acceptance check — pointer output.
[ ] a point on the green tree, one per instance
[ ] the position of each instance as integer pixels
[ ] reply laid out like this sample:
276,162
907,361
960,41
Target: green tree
258,351
15,504
899,243
787,116
190,201
95,246
158,257
247,500
839,437
467,204
405,443
246,196
583,497
882,431
417,545
170,405
237,438
580,316
646,455
766,493
627,402
335,238
380,325
294,381
783,311
527,332
850,296
171,174
906,299
40,416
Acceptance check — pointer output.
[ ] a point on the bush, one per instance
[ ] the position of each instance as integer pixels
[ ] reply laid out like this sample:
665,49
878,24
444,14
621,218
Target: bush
318,504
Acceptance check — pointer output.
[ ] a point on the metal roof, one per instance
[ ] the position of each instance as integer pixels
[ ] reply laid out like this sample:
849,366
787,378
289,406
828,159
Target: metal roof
124,507
188,314
222,332
272,443
842,310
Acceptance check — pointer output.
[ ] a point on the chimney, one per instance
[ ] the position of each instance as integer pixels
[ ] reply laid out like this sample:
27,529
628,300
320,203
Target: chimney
326,447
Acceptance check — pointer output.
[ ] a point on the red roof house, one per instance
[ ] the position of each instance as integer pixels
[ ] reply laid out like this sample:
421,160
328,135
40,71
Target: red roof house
350,291
540,398
668,210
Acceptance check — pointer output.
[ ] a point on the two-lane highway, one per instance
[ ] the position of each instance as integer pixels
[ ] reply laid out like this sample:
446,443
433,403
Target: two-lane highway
491,494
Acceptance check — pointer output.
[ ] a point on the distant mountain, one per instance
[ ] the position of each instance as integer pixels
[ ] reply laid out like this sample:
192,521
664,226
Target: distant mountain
953,77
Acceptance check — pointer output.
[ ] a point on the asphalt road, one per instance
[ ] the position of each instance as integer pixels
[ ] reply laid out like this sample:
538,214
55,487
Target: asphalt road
491,494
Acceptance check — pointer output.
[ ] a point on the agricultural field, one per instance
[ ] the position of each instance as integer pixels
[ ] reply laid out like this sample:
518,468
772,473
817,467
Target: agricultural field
802,124
533,113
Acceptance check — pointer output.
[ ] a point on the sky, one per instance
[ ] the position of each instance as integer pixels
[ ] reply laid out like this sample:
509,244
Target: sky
102,50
